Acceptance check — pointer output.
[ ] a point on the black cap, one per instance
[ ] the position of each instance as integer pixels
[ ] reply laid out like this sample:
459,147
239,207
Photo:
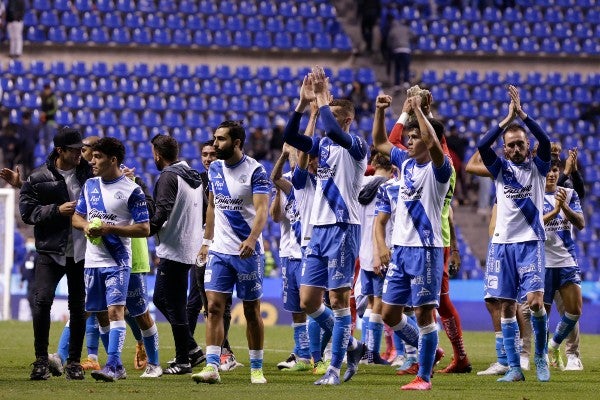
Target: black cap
68,137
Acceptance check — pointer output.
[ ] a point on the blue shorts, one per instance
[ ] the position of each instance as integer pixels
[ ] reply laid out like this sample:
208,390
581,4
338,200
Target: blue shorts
105,287
414,276
226,271
137,294
557,278
330,256
371,284
490,263
291,272
516,270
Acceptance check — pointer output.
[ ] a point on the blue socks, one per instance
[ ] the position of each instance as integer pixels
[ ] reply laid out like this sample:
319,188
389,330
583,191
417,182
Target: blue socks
509,329
407,330
539,321
341,336
213,356
500,352
256,359
92,335
375,333
115,343
63,343
428,342
314,340
150,337
564,327
301,348
364,333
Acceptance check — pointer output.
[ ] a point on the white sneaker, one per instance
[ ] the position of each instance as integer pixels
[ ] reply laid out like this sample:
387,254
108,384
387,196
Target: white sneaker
289,363
256,376
398,361
209,374
229,363
152,371
494,369
524,361
55,364
573,363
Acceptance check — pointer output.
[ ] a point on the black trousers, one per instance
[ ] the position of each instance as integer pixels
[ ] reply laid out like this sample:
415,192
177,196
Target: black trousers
47,275
170,297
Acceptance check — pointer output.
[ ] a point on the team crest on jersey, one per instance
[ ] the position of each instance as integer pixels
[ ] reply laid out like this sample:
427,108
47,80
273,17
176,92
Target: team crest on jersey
119,195
243,178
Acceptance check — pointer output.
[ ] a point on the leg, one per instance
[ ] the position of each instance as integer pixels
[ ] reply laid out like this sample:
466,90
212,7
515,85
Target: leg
428,340
76,301
255,333
525,331
194,301
227,323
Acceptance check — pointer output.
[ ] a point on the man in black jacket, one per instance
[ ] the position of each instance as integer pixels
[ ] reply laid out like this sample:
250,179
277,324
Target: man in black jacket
47,201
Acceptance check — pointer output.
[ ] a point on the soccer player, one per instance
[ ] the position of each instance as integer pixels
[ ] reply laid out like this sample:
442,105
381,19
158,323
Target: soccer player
371,276
519,234
562,211
120,204
416,266
232,246
335,241
284,210
179,197
47,201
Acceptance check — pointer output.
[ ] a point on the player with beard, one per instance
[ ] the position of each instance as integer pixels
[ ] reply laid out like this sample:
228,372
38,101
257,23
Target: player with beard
232,247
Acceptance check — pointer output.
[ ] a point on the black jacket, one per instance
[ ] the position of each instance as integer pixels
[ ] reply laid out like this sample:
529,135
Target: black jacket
41,195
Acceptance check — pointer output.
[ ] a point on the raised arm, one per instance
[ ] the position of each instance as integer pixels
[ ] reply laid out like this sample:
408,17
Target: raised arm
380,139
277,173
475,166
543,151
275,210
396,133
488,155
291,134
571,171
309,132
428,133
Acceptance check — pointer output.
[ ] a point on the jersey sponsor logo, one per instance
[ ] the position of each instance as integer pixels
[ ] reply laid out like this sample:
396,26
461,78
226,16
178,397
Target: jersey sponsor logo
409,194
105,217
557,225
95,191
224,202
94,200
326,172
511,192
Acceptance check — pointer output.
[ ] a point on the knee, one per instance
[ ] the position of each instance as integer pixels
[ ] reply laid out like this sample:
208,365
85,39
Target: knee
252,311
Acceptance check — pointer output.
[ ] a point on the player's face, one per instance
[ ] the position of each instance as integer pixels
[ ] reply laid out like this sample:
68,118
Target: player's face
415,145
552,178
224,146
516,146
342,117
208,156
86,152
69,157
101,164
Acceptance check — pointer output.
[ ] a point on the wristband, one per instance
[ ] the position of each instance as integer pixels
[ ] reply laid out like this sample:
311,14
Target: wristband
207,242
402,119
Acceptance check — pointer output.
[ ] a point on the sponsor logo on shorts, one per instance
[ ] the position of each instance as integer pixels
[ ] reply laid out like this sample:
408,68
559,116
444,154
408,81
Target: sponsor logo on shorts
417,280
252,276
257,287
332,263
423,292
492,282
337,276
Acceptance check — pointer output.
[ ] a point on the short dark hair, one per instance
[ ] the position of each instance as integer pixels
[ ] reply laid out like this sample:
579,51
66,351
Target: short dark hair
382,161
210,143
236,130
437,125
112,147
166,146
555,162
346,105
513,128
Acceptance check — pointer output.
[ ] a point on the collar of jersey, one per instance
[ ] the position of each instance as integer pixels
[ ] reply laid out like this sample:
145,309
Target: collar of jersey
113,181
236,164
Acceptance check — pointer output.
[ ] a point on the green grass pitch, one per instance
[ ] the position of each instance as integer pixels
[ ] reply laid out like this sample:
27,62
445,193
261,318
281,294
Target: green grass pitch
371,382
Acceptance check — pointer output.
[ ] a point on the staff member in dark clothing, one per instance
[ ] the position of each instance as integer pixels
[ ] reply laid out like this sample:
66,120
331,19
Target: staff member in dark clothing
47,201
177,224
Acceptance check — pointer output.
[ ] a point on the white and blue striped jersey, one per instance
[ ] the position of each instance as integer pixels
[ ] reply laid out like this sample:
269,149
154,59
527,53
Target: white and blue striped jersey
520,196
291,230
339,179
560,244
119,202
304,191
233,187
387,198
421,194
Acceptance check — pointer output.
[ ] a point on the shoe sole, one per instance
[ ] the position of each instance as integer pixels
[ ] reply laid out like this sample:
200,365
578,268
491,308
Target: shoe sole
102,377
199,379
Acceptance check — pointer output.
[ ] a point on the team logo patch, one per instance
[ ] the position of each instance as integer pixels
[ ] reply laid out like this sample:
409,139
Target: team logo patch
243,178
119,195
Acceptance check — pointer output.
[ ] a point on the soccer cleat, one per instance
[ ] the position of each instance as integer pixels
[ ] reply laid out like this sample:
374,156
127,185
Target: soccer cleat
289,363
398,361
74,371
197,358
302,365
229,363
178,369
524,361
209,374
541,367
152,371
457,367
330,378
379,360
573,363
40,371
514,374
367,358
556,360
90,364
352,358
140,360
439,354
409,367
494,369
106,374
320,367
55,364
417,384
257,376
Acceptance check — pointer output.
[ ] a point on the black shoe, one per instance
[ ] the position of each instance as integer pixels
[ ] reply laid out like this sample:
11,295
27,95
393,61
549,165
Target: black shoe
74,371
40,370
178,369
197,358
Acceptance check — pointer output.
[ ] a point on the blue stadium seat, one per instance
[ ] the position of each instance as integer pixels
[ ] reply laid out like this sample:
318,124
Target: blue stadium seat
57,34
114,103
125,6
481,93
302,41
30,100
491,14
58,69
151,119
194,22
182,37
529,45
471,14
105,5
11,100
135,103
231,88
70,19
203,38
533,14
172,119
439,93
134,21
161,36
211,88
129,118
255,24
488,110
262,40
238,104
35,35
283,41
112,20
190,151
175,21
223,72
169,86
365,76
322,41
121,36
49,19
251,88
189,87
215,23
194,120
467,44
94,102
243,72
156,103
582,94
242,39
512,15
488,45
342,42
72,101
499,29
222,39
155,21
30,18
429,78
177,103
64,117
78,35
218,104
275,24
65,85
99,35
591,46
